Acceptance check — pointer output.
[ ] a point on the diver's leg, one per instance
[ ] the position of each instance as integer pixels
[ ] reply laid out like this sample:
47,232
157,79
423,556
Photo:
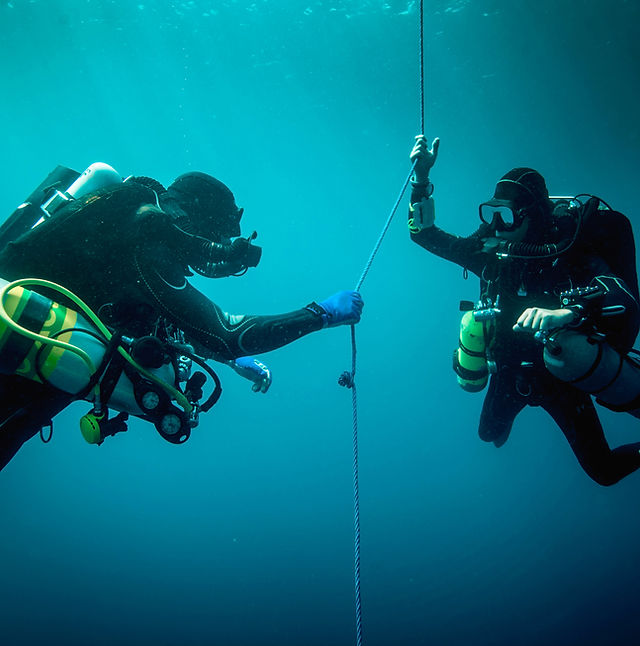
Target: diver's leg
575,413
501,405
25,407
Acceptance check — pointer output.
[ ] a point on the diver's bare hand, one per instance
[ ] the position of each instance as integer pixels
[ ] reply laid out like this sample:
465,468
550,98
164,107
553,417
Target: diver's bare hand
536,319
424,157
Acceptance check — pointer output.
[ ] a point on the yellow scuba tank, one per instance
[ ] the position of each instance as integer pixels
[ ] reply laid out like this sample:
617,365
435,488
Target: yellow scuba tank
590,364
58,365
470,358
27,357
44,341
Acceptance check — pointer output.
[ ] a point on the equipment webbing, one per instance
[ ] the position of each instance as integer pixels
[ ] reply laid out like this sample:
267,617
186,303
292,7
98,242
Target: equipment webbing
348,379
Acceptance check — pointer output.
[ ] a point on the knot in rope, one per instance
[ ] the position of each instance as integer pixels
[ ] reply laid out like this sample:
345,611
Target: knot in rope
346,379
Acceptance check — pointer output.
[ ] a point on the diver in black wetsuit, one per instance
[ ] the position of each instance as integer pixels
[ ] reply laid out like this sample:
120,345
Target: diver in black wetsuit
127,251
526,255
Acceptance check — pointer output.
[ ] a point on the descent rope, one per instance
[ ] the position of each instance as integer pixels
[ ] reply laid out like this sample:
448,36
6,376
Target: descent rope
348,379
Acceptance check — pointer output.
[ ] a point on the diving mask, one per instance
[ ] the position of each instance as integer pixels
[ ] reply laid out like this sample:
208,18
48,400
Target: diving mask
501,215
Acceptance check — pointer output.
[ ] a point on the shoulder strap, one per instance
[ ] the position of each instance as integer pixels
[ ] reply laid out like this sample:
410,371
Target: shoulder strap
610,234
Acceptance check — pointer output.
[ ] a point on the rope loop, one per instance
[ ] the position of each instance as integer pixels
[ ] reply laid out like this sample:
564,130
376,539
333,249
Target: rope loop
47,438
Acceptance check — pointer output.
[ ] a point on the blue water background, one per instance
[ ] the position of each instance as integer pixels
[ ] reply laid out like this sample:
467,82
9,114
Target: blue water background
308,109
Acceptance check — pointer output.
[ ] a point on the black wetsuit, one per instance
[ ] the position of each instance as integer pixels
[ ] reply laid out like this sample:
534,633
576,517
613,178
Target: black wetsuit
126,263
521,378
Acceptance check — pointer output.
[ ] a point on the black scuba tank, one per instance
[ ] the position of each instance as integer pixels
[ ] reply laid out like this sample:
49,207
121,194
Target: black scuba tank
30,211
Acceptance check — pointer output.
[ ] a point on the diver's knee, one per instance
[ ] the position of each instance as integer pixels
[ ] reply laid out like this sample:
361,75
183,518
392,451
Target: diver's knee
604,478
493,433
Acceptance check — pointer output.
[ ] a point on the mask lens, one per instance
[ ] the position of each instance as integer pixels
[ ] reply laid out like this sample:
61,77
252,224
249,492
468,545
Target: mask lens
499,216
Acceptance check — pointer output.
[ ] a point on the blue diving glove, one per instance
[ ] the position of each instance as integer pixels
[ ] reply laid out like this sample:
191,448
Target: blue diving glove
343,308
253,370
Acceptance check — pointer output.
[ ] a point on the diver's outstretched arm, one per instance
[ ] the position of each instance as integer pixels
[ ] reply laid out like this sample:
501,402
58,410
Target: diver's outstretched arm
466,252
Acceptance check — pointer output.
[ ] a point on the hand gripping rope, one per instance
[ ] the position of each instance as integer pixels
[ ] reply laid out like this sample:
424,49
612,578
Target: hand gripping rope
348,379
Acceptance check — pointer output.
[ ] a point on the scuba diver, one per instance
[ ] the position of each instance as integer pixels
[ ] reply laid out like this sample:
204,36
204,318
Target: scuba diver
126,249
552,272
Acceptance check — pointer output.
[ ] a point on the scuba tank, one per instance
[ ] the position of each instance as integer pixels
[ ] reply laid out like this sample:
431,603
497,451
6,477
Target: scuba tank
470,360
98,175
589,363
29,212
51,194
44,341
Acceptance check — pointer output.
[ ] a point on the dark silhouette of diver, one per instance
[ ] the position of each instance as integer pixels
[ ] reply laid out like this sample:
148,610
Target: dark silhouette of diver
127,250
543,266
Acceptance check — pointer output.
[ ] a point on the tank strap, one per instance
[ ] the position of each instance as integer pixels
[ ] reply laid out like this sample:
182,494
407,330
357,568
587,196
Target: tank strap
104,373
613,379
110,378
629,407
472,353
591,370
465,373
